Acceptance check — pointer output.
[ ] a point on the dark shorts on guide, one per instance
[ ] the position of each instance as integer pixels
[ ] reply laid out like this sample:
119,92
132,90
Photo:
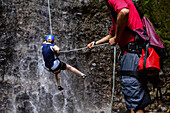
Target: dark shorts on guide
136,94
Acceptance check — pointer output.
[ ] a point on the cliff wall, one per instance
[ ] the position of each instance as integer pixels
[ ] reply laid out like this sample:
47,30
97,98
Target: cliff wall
26,87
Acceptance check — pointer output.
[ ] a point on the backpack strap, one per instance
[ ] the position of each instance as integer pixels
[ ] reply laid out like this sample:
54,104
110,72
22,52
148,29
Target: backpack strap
146,51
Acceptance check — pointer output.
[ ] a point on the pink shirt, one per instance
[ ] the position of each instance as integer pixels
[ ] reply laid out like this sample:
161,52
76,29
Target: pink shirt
134,21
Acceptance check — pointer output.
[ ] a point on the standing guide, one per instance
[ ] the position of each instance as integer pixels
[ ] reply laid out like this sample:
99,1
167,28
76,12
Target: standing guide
125,18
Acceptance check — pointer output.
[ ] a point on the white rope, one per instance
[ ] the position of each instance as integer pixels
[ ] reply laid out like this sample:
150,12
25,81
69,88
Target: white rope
66,51
114,65
49,17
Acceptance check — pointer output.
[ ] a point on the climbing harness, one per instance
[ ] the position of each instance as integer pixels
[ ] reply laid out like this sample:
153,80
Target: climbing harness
114,64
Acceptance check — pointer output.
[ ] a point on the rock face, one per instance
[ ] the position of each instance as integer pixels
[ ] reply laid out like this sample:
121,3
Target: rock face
26,87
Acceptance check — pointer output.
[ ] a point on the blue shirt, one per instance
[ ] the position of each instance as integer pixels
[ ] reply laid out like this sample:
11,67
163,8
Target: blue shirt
48,54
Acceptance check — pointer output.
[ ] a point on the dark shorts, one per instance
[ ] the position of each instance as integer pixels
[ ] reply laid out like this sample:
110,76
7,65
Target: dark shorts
61,66
136,94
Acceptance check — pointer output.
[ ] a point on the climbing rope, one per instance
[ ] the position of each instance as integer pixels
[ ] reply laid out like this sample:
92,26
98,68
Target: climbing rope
66,51
49,13
49,16
114,65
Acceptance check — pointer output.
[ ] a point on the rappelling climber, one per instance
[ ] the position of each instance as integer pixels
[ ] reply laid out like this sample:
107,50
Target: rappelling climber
125,18
50,53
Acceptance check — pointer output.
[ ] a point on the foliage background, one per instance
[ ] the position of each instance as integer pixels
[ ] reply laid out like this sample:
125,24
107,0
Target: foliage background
158,13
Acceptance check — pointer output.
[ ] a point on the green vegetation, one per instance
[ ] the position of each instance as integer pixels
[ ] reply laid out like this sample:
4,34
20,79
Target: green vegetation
158,13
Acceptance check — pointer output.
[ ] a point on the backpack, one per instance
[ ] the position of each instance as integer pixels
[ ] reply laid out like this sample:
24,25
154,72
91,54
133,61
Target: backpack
151,38
155,57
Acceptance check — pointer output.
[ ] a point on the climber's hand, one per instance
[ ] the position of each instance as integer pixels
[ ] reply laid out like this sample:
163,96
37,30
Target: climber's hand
91,45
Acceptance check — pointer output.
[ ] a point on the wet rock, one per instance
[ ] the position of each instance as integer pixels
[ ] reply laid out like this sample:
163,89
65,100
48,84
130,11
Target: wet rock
59,101
26,107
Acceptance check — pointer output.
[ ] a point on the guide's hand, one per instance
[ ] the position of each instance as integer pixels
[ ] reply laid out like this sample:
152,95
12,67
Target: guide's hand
113,41
91,45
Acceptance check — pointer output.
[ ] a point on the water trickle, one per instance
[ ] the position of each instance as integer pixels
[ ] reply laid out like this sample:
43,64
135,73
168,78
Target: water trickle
27,86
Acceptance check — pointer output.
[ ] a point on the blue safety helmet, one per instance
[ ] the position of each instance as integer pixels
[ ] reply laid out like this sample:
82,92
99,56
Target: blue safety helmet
50,37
